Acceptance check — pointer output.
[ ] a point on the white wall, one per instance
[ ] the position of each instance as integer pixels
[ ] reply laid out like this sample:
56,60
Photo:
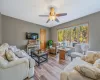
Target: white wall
0,30
13,31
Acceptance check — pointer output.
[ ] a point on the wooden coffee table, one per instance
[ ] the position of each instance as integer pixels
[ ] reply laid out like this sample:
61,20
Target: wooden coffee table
40,57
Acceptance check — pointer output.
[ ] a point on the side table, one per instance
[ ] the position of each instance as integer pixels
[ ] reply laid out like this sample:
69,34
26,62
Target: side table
62,54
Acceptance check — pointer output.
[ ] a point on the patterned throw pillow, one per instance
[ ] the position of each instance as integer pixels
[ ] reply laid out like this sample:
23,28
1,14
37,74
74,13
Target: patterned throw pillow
97,63
90,72
3,47
10,55
91,58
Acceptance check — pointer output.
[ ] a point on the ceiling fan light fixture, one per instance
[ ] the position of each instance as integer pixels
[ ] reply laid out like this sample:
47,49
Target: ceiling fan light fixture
52,18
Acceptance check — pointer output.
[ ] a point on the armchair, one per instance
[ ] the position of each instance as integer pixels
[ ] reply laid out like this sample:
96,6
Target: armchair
77,51
53,49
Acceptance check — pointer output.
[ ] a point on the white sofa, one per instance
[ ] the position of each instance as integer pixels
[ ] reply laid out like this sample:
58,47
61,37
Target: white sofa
16,70
70,74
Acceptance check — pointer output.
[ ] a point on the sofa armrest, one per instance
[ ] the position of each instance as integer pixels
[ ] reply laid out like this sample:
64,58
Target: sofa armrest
31,61
72,49
15,62
64,76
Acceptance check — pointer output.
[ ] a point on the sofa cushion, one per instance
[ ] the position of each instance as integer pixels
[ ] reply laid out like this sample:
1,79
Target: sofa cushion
10,55
89,71
97,63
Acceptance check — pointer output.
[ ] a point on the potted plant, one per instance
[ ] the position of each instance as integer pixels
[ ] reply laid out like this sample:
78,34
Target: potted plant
49,43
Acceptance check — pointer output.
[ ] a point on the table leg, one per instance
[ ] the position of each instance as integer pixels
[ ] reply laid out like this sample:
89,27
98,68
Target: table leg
38,61
71,58
31,54
47,57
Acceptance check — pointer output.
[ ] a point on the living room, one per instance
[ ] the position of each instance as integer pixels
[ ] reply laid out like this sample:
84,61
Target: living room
20,19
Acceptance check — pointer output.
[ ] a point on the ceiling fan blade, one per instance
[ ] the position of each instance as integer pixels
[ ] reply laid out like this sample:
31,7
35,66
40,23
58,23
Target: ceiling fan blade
61,14
56,20
43,15
48,20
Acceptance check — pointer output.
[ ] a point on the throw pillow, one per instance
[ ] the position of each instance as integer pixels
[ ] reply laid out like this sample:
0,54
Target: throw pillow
90,72
3,47
13,48
10,55
21,54
91,58
97,63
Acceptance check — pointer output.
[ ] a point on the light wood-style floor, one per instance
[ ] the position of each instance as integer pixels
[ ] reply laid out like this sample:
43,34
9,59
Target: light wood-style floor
50,70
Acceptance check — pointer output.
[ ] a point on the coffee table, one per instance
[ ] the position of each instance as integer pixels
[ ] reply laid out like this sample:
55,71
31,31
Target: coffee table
40,57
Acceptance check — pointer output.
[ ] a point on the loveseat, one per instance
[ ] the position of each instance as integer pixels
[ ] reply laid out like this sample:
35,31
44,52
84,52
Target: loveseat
70,73
18,69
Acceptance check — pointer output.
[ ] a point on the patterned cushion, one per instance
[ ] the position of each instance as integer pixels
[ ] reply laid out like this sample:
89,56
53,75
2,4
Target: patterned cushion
89,71
91,58
3,48
97,63
10,55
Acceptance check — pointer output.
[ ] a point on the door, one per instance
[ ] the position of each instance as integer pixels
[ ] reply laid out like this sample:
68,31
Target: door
42,39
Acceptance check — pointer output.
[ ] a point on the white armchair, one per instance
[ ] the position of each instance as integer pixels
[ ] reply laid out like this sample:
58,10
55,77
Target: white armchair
14,70
77,52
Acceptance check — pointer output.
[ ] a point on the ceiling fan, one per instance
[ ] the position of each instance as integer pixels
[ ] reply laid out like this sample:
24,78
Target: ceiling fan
53,16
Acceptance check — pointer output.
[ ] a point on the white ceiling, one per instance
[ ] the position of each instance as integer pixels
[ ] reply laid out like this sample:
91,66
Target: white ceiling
28,10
